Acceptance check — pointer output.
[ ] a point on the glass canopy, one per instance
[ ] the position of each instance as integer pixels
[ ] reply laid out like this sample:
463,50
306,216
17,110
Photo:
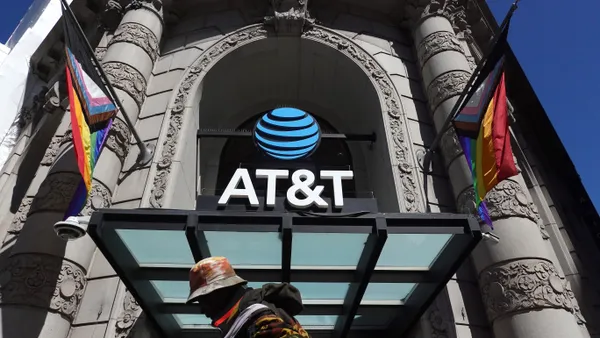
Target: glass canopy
371,275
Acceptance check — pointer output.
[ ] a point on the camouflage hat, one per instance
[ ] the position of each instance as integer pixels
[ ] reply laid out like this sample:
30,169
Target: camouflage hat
211,274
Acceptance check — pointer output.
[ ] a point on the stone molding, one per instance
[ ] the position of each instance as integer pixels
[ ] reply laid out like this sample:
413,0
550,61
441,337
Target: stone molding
118,139
67,137
57,190
20,217
507,199
436,43
382,83
43,281
290,17
127,79
139,35
450,146
526,285
52,151
154,6
100,52
416,11
445,86
127,318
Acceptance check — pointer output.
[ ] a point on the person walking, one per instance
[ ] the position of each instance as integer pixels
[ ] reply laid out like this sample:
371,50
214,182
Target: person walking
239,311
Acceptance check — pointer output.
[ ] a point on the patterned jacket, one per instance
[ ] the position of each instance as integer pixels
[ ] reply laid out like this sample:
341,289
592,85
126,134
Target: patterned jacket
273,308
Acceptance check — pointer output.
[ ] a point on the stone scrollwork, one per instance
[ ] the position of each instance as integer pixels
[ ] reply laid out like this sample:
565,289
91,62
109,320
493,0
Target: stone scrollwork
20,217
526,285
169,146
290,17
395,116
508,199
450,145
454,10
127,79
139,35
438,324
445,86
52,151
391,101
43,281
100,198
118,139
56,192
100,52
67,138
112,14
436,43
127,318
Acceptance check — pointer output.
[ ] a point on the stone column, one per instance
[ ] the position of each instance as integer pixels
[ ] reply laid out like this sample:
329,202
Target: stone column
524,295
44,279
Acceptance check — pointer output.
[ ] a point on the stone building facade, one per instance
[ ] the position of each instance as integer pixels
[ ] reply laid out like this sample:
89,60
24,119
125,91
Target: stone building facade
393,67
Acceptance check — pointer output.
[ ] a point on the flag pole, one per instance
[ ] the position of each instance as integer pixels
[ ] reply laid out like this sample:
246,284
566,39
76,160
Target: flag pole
146,152
436,141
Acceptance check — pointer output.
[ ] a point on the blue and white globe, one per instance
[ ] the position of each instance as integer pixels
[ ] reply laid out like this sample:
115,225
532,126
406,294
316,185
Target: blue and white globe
287,134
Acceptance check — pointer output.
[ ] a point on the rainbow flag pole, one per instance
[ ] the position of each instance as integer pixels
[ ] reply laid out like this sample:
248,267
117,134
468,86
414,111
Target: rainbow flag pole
480,119
93,107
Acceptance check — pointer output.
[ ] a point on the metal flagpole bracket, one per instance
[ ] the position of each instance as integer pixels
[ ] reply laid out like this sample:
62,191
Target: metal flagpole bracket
146,150
146,153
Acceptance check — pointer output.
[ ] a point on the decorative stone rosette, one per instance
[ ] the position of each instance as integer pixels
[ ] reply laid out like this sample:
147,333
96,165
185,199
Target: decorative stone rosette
526,285
43,281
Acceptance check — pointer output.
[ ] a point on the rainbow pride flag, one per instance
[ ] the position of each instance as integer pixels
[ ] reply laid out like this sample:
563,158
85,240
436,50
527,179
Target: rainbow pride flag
482,128
92,111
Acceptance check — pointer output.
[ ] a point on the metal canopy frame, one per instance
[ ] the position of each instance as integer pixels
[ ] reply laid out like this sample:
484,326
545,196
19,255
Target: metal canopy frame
429,281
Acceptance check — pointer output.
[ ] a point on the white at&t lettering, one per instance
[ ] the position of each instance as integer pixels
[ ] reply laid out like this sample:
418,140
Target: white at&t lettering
302,182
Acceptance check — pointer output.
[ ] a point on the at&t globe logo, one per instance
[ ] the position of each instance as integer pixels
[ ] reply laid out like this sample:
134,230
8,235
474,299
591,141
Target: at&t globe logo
287,134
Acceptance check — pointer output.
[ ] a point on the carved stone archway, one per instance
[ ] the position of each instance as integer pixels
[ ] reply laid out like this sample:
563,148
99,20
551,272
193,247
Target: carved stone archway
184,100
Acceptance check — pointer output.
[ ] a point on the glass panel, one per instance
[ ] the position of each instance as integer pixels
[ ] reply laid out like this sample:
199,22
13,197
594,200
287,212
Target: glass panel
172,289
322,249
387,291
192,319
312,321
157,246
246,248
412,250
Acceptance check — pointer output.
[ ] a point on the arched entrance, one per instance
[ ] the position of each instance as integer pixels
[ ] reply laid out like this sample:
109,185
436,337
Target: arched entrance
322,72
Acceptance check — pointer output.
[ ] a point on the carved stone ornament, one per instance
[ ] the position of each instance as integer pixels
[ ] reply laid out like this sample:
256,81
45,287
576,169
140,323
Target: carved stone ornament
127,318
56,192
139,35
454,10
450,146
526,285
436,43
67,138
439,326
383,84
506,200
20,217
100,53
113,13
127,79
52,151
155,6
100,198
445,86
43,281
290,17
118,139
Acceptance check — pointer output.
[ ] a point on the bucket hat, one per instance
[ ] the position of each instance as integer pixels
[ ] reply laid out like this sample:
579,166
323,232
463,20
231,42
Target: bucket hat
211,274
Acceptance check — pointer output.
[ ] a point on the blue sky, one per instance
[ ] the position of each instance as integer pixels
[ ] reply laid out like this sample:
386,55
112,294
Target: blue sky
557,46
